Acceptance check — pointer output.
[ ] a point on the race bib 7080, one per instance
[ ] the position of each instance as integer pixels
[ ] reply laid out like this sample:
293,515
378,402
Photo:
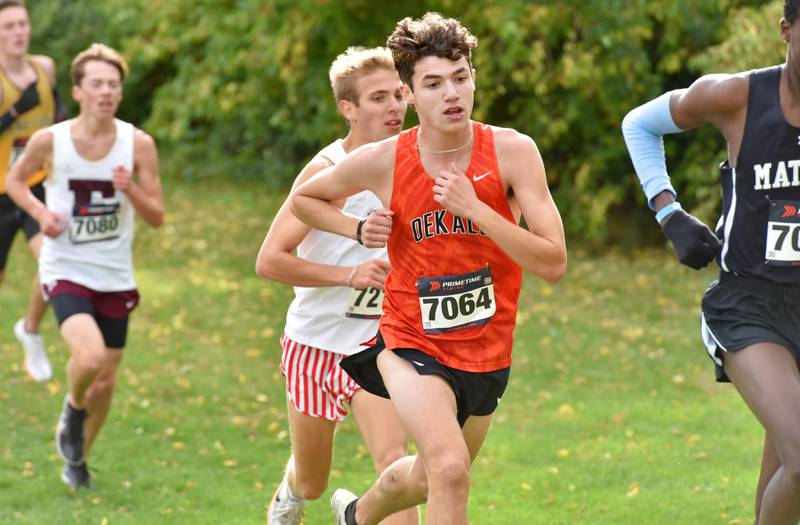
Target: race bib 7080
94,222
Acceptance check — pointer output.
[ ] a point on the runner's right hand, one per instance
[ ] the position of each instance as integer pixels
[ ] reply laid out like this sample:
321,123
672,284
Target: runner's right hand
50,223
376,230
370,274
28,100
694,244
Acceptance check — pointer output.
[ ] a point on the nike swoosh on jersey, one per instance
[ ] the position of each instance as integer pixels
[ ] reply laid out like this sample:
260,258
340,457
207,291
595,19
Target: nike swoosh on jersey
476,178
418,363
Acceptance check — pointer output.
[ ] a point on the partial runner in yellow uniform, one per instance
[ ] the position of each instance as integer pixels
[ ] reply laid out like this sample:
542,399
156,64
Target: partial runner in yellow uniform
28,102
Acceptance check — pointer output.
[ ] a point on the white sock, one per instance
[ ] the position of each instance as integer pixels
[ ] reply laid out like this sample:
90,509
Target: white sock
289,492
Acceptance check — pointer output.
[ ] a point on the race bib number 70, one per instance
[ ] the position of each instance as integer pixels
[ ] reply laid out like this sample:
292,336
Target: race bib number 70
94,222
783,233
456,302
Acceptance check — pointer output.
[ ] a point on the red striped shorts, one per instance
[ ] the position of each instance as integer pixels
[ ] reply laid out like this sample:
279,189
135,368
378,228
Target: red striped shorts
315,383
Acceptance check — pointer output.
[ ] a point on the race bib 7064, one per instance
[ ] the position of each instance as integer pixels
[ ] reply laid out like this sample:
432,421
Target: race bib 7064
455,302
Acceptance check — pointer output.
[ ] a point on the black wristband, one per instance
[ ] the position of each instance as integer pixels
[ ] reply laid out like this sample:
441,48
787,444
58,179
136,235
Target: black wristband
358,231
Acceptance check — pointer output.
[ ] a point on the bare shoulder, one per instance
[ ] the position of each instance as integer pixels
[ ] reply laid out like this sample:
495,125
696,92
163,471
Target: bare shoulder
510,142
40,141
39,148
372,165
314,166
727,88
48,65
381,153
713,95
142,141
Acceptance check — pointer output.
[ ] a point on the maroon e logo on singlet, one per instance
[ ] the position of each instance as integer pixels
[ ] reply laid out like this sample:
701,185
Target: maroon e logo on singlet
83,188
94,220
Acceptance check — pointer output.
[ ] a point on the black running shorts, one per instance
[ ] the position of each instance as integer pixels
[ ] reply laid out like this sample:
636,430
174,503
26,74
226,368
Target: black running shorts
739,312
477,393
12,219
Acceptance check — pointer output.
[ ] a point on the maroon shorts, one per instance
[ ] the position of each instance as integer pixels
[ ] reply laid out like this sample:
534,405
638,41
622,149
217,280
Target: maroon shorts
109,309
113,305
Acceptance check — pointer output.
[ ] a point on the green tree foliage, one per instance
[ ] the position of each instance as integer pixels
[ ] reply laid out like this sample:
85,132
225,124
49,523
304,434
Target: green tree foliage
239,88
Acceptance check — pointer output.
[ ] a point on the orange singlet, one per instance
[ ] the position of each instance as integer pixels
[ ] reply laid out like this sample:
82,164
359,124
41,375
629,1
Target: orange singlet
452,292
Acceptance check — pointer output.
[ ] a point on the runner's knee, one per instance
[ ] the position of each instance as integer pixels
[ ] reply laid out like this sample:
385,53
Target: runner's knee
384,458
310,486
90,358
400,477
450,471
309,489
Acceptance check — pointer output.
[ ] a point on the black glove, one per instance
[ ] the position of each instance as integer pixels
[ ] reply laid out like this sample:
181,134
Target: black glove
694,244
28,100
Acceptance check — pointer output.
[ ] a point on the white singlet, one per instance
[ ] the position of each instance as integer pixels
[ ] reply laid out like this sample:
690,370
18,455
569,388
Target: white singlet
95,248
317,316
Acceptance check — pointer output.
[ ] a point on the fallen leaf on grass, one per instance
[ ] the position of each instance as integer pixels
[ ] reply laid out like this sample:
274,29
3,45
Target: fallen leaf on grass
54,388
566,410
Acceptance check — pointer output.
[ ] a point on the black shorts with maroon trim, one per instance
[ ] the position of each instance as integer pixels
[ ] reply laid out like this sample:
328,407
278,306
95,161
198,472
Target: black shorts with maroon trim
739,312
477,393
109,309
12,219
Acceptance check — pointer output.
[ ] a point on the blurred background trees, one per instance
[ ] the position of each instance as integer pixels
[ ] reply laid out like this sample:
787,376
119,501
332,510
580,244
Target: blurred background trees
239,88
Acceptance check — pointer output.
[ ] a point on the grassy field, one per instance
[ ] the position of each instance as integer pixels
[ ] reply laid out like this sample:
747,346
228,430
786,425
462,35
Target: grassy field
612,415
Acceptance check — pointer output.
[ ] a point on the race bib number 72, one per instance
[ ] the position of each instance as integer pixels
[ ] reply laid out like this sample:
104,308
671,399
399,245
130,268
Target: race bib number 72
783,233
365,304
456,302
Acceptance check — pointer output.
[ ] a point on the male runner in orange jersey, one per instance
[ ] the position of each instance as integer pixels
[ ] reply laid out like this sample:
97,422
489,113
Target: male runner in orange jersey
337,301
28,102
455,190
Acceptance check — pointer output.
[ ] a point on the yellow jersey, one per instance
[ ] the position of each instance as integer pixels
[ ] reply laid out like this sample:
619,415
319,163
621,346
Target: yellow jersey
13,140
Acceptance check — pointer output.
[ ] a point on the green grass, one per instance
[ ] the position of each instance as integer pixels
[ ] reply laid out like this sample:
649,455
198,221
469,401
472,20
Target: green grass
612,415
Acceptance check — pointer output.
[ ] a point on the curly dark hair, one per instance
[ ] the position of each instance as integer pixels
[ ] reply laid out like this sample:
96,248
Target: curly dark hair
431,35
791,10
11,3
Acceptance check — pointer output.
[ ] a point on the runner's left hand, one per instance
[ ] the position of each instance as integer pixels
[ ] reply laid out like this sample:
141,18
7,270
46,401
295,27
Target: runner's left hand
453,190
121,178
